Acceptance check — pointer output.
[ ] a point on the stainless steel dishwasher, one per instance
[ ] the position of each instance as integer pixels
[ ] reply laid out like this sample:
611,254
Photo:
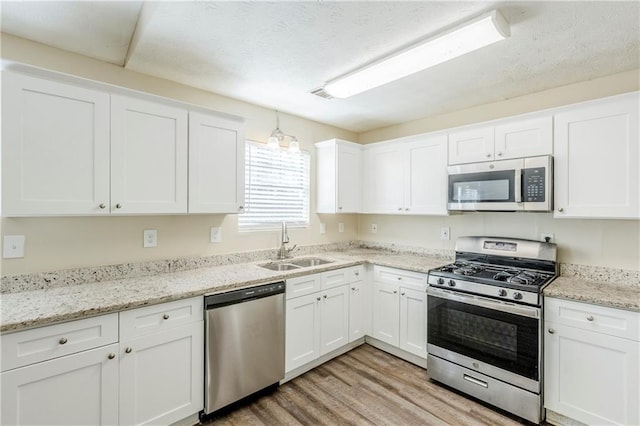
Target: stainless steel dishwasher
244,343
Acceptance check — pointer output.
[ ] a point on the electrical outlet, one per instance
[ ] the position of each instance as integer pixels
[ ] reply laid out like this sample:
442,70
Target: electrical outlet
547,237
374,228
341,227
13,246
323,229
216,235
150,238
445,233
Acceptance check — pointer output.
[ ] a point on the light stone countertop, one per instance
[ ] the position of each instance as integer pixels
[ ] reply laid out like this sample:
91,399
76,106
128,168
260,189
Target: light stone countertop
37,308
613,295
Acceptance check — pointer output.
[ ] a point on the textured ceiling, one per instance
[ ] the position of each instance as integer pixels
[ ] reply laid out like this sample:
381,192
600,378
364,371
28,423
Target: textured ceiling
274,53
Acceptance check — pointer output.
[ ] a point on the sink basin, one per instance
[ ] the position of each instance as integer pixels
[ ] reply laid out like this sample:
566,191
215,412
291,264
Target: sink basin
280,266
305,263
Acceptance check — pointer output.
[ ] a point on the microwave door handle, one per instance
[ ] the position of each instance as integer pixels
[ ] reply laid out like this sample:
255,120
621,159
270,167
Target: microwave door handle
518,185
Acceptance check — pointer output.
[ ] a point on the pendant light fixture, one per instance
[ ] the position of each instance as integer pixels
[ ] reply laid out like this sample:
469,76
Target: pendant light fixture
475,34
277,137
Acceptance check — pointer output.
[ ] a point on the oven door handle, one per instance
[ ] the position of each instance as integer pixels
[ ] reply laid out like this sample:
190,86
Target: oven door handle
518,185
484,302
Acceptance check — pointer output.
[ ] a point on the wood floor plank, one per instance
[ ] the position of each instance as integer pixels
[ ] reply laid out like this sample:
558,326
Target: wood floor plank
365,386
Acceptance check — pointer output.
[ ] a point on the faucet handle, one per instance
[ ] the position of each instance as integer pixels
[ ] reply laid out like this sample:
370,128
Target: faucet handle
292,248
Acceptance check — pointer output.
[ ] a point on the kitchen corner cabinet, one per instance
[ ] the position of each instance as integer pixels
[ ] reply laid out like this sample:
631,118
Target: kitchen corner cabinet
597,157
406,176
148,157
55,148
216,164
592,362
339,176
512,138
400,309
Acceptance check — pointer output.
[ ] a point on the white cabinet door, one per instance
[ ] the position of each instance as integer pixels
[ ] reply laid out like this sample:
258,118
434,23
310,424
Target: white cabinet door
426,176
302,330
55,148
591,377
386,314
472,145
597,159
334,319
349,179
78,389
216,164
413,321
359,310
161,376
384,179
148,157
524,138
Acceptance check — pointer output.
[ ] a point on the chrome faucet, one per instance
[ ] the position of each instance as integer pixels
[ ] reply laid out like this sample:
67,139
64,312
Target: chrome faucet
284,252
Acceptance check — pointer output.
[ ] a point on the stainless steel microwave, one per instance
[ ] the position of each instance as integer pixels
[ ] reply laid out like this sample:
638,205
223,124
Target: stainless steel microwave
521,184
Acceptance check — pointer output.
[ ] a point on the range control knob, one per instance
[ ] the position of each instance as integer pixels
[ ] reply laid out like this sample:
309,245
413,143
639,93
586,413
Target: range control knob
517,296
452,283
502,292
440,281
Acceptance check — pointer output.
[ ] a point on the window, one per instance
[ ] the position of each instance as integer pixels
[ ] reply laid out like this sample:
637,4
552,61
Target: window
276,188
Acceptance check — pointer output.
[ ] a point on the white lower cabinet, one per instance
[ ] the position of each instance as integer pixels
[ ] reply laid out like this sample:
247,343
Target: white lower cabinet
76,373
334,319
302,330
359,305
78,389
592,363
400,309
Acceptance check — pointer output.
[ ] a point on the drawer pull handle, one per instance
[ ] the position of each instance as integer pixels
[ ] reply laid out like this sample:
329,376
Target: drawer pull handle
475,381
128,350
118,206
103,206
590,318
551,331
165,316
63,340
111,356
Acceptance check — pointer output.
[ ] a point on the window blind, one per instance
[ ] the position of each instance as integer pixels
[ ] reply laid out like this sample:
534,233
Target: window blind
276,188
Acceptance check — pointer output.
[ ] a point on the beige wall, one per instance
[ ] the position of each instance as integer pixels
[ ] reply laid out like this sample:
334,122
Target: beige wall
58,243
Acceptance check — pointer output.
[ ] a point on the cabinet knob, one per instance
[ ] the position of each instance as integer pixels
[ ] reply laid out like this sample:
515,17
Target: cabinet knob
324,296
399,278
339,208
399,209
111,356
406,209
240,207
551,331
590,318
488,155
499,154
318,298
102,206
395,291
401,294
357,274
560,209
62,341
165,316
128,350
353,288
118,206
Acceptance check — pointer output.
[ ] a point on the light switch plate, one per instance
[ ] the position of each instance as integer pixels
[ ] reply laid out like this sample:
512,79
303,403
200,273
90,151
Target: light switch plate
150,238
216,235
340,227
374,228
13,246
445,233
323,228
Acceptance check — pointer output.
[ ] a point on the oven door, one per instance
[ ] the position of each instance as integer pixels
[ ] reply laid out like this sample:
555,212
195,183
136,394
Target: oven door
495,185
502,336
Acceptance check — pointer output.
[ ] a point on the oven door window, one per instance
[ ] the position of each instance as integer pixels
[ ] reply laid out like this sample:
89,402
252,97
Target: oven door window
485,187
498,338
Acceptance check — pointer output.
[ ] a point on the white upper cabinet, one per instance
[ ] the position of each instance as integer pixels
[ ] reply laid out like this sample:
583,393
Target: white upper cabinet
513,138
216,164
339,177
407,176
148,157
597,159
55,148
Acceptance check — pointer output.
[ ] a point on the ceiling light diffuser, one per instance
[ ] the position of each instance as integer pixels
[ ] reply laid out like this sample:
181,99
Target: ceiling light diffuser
475,34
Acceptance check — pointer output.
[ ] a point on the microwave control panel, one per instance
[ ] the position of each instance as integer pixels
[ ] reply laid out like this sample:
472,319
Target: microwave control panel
534,184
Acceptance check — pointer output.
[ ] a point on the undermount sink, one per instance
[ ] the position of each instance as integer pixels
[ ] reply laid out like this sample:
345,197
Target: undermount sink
294,264
304,263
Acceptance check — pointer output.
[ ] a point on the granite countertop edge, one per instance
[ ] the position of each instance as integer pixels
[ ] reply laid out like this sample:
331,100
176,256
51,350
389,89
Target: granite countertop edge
36,308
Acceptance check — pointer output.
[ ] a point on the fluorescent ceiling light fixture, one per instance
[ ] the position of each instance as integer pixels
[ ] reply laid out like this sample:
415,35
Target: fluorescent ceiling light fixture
479,32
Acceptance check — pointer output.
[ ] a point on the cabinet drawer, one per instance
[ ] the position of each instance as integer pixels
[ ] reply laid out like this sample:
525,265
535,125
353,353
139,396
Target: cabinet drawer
356,273
150,319
601,319
415,280
44,343
336,278
301,286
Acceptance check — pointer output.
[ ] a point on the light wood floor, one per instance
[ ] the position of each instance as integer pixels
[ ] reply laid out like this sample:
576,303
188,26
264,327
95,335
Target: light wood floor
365,386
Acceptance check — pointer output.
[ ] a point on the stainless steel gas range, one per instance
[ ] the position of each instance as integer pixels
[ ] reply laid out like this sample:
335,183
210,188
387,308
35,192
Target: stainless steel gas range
484,327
